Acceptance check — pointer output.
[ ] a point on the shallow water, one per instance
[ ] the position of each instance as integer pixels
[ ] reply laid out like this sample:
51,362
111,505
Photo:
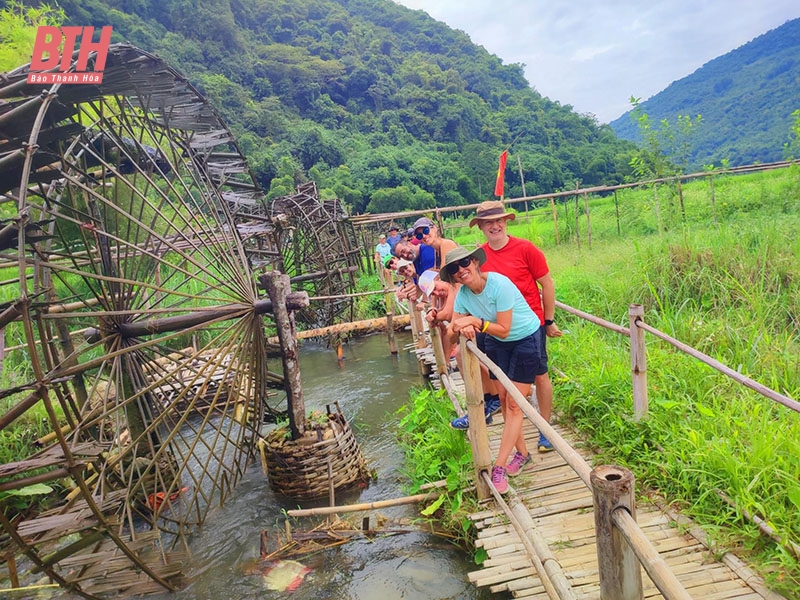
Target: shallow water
370,385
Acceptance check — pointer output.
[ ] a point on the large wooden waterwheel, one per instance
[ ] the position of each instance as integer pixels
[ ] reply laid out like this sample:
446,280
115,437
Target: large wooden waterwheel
318,251
133,320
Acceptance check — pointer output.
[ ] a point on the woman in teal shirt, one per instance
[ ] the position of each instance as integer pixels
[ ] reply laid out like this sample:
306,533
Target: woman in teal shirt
489,303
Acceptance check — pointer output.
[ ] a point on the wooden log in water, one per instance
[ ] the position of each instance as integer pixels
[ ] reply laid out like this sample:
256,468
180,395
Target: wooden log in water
327,510
367,325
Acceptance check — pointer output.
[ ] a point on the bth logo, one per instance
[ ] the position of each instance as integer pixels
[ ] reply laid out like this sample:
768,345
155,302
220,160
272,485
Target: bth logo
48,41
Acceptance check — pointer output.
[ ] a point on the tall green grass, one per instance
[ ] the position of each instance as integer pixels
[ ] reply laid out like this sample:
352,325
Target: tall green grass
723,277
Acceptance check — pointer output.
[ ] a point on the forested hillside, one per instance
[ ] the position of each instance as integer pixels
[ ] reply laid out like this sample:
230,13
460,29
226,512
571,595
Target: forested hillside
745,97
382,106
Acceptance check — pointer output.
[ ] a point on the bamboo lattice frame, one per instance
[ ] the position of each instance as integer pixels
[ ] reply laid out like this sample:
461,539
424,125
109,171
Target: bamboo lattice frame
137,318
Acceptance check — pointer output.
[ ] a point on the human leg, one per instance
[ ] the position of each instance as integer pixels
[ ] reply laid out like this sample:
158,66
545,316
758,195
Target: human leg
544,387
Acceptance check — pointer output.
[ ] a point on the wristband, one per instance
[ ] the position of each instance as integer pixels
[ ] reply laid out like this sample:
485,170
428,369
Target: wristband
548,322
485,326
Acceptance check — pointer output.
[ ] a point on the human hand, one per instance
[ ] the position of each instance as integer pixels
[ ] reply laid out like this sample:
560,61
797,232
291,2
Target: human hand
552,330
430,315
465,327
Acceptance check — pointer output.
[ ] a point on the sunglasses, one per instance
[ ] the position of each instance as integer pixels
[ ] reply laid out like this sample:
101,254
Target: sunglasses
453,268
420,234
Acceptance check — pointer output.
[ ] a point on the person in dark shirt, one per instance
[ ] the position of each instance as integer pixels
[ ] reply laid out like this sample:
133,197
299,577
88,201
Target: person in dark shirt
421,255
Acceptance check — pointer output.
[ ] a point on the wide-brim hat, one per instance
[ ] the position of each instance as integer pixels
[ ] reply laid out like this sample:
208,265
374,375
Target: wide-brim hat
491,210
455,255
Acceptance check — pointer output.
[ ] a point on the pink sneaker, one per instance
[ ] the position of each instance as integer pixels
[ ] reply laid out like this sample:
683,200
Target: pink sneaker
499,479
517,463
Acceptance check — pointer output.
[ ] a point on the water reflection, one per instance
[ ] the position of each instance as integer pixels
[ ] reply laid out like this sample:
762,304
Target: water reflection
370,385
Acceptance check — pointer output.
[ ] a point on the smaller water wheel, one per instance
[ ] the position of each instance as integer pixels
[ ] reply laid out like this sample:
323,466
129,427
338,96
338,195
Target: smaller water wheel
326,456
316,244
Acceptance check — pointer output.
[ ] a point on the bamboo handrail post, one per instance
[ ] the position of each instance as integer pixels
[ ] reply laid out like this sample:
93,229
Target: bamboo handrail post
416,315
619,569
616,211
638,362
481,455
389,327
438,350
713,199
555,219
588,220
657,568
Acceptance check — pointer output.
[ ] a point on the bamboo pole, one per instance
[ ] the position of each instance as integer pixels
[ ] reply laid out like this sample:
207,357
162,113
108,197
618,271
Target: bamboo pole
481,455
329,510
683,207
438,350
278,287
713,199
389,300
555,219
616,211
577,218
658,210
588,220
377,324
619,569
638,362
524,193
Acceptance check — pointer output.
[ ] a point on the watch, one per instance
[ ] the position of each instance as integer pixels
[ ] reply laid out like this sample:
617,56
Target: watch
548,322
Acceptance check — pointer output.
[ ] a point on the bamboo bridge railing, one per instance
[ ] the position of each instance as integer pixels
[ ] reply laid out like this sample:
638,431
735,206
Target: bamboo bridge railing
624,545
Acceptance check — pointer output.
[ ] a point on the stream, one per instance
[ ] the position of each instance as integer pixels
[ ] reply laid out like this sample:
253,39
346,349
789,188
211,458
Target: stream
370,385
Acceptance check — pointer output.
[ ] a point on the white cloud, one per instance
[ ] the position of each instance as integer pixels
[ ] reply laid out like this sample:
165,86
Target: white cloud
595,55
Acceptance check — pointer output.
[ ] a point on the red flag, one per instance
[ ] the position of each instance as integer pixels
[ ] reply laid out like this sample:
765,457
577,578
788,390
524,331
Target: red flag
501,174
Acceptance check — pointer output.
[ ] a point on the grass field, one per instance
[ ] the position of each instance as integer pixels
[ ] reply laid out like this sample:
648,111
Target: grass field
724,278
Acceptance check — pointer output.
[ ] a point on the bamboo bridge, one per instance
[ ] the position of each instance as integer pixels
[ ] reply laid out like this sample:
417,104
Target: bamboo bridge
567,531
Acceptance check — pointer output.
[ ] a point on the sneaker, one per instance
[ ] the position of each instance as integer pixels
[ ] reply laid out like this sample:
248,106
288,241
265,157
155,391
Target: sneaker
499,479
460,422
491,404
517,463
463,422
544,444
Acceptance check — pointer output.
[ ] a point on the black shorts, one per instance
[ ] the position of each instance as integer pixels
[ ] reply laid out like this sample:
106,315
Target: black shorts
480,340
520,360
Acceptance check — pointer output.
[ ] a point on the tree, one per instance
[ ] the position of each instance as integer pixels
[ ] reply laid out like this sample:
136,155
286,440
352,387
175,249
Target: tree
791,149
18,24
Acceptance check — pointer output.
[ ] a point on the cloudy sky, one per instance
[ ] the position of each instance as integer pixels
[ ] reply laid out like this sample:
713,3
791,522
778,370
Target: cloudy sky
596,54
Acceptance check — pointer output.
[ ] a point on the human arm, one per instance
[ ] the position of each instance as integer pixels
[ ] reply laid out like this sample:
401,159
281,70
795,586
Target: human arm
444,297
468,325
549,304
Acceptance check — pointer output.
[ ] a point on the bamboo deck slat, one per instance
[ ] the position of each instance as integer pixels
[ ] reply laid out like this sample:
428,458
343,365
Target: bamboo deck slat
561,509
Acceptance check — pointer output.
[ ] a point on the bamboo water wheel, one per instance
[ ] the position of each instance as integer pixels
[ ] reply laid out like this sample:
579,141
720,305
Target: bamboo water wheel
318,251
134,323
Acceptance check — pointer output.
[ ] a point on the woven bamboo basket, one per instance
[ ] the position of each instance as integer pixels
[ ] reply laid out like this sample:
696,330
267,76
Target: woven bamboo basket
300,469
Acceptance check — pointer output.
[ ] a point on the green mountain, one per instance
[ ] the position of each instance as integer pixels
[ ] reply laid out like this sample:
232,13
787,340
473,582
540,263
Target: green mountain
745,97
382,106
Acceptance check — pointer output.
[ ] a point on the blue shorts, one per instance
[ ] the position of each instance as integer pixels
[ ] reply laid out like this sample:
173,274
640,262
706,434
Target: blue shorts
521,360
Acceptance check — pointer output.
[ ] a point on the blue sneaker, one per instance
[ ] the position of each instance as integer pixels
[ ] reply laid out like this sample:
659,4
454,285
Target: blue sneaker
544,444
461,422
490,406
